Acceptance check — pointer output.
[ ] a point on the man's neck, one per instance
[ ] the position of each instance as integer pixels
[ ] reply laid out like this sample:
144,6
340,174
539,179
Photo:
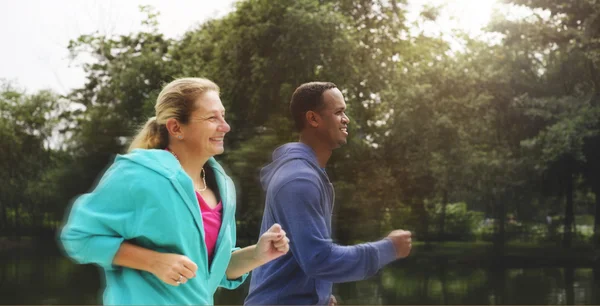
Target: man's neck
323,153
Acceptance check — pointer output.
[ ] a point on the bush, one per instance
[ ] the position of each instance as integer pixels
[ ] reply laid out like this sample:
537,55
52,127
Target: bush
460,222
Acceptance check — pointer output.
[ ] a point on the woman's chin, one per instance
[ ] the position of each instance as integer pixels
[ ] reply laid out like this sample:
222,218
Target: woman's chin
218,150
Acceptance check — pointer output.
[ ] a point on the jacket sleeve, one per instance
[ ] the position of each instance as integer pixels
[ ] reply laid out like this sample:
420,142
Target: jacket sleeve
100,221
233,283
298,207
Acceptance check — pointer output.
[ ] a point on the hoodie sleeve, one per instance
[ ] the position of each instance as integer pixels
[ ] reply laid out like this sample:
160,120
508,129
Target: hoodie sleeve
99,222
297,205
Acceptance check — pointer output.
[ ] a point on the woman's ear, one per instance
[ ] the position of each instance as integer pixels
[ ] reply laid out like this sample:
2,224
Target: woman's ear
174,128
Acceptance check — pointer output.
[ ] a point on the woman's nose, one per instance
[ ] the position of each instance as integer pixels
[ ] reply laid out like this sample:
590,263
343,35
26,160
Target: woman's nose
224,127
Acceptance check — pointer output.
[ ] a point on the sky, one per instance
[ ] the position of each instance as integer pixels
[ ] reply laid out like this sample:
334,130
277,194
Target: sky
36,33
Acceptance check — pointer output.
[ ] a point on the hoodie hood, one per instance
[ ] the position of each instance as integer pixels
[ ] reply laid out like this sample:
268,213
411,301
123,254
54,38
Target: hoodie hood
286,153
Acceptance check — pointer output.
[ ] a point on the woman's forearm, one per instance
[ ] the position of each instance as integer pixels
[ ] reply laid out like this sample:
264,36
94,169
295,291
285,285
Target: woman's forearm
173,269
271,245
242,261
132,256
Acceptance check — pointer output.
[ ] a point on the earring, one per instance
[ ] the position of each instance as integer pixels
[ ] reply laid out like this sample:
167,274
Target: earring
180,137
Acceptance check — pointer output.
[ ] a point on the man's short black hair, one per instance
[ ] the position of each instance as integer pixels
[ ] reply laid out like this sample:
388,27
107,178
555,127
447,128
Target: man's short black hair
308,97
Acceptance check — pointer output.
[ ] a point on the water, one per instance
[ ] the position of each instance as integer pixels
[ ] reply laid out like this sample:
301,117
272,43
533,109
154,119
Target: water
45,277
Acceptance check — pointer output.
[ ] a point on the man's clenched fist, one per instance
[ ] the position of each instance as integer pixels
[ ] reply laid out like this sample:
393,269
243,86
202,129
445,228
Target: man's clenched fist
402,241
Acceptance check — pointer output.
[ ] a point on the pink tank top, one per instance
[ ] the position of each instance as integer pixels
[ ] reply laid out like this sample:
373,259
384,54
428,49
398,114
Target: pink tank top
212,219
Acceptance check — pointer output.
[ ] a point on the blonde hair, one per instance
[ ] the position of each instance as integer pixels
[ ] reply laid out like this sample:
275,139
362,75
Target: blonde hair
176,100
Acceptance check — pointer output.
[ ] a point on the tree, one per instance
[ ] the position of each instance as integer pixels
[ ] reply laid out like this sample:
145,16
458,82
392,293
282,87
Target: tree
122,84
27,127
562,49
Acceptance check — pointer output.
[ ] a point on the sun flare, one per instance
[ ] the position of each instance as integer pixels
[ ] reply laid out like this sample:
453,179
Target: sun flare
471,15
468,15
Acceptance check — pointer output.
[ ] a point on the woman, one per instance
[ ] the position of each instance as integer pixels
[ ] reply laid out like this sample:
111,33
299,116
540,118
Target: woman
161,222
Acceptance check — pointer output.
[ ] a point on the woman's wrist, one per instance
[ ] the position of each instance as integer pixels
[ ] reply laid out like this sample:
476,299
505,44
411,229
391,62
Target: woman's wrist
257,258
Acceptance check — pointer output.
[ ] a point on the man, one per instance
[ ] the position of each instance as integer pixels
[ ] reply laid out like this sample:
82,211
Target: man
300,197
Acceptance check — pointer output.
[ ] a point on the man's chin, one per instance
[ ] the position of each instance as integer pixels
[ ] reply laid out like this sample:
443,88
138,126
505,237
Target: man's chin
341,143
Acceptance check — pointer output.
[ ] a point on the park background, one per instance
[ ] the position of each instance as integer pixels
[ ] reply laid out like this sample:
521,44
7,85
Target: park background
481,139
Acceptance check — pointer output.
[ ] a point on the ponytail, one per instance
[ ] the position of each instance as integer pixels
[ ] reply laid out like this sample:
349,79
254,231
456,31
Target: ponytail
151,136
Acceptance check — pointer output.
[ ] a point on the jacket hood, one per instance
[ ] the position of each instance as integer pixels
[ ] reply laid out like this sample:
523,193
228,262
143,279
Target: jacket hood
162,161
286,153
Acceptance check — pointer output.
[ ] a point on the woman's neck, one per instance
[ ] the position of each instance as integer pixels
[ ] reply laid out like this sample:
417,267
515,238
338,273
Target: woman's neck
191,163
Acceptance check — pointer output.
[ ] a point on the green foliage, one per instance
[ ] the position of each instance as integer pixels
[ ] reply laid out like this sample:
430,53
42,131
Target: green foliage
28,123
461,223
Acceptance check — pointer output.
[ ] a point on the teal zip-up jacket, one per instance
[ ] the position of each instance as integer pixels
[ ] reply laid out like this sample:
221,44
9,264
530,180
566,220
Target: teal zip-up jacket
146,198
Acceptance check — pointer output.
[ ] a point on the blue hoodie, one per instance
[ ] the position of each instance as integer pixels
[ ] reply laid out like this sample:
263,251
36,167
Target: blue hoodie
147,198
300,197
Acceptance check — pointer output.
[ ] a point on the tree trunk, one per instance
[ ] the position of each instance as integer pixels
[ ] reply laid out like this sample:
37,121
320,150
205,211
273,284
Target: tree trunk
3,219
568,232
423,227
17,230
596,242
442,233
500,235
